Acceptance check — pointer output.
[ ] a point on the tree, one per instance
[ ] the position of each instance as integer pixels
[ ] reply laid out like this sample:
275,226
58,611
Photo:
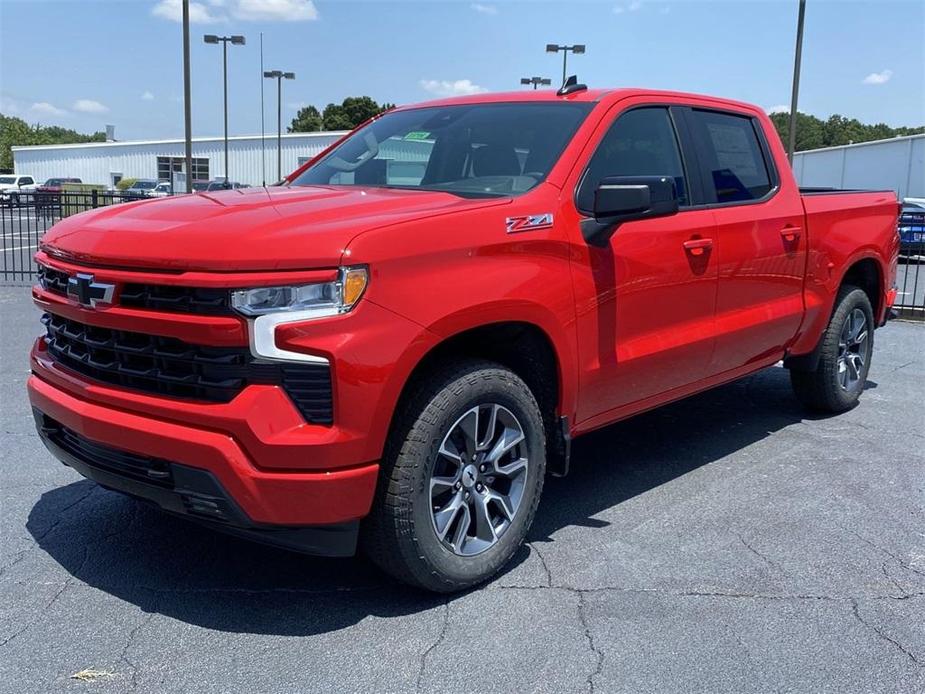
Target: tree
343,116
15,131
813,133
307,120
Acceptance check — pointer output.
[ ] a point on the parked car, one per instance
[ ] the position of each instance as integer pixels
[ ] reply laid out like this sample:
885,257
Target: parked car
162,190
217,184
14,184
141,188
347,359
48,194
912,228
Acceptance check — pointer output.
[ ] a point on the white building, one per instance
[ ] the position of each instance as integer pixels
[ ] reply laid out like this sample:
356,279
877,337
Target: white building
106,163
895,164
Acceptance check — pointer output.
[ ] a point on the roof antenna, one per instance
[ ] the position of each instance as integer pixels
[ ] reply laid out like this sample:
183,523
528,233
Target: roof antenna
571,85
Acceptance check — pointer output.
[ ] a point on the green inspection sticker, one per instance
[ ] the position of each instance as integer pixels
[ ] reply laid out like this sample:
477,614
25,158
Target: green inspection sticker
417,135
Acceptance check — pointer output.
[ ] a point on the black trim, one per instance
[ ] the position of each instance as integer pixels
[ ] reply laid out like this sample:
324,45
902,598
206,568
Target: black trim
192,493
821,190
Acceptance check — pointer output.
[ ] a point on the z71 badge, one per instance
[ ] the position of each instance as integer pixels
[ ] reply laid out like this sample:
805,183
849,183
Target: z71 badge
529,222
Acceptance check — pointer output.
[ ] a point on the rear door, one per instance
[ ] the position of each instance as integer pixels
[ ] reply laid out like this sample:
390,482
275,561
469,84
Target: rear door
760,243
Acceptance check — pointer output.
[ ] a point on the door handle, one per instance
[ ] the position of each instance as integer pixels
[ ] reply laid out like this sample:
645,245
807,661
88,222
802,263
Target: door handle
790,234
698,246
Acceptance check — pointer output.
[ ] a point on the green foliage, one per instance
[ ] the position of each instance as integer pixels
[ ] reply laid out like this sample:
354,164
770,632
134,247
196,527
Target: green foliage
15,131
813,133
344,116
125,183
307,120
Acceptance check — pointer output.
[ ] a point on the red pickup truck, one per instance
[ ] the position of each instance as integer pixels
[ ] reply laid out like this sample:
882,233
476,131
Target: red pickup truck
394,347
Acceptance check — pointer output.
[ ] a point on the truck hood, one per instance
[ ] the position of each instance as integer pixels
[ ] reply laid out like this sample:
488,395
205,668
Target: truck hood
281,228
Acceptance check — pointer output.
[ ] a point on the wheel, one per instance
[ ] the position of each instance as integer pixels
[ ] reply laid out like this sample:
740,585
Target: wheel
460,480
844,361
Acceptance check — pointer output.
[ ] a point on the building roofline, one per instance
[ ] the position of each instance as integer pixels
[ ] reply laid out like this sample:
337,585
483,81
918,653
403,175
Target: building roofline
174,141
901,138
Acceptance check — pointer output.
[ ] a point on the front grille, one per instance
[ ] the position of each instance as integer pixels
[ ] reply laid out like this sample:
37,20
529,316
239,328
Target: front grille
52,280
137,467
162,297
153,297
170,367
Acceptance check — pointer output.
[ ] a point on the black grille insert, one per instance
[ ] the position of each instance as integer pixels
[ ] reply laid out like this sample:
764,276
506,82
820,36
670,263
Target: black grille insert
53,281
170,367
138,467
162,297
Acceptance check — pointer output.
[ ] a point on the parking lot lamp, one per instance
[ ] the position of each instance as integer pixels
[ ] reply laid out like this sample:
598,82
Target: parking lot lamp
279,76
536,81
225,40
577,49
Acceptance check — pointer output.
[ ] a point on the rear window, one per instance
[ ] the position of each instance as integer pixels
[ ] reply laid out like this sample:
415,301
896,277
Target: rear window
6,180
732,157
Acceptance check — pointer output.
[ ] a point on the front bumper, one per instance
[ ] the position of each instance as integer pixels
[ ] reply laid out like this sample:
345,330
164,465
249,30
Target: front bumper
208,470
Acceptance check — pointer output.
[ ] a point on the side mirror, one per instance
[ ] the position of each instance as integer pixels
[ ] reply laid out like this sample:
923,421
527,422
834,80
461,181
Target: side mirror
625,198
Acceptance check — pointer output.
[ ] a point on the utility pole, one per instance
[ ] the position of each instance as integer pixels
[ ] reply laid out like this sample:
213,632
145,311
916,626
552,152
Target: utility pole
577,49
796,83
279,76
187,111
225,40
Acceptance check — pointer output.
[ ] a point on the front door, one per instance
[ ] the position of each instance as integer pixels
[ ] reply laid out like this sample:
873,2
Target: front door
648,326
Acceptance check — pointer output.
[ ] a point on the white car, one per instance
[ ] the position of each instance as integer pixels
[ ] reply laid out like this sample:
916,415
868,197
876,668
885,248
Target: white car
15,183
161,190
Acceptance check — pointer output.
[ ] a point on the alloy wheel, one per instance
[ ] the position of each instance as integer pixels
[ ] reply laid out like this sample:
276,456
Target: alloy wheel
478,478
853,349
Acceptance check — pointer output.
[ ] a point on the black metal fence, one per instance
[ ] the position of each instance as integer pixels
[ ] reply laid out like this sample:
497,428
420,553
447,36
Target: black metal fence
25,217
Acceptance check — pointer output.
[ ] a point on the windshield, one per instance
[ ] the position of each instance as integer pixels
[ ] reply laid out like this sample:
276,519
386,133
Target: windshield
144,185
469,150
200,185
6,180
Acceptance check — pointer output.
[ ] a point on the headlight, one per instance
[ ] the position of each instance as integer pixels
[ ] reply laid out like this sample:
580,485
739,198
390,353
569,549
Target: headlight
311,300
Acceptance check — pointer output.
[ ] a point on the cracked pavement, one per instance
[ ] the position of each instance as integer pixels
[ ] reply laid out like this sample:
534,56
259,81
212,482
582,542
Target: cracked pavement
726,543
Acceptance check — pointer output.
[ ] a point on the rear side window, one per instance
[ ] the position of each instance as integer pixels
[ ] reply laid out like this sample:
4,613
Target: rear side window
641,142
731,157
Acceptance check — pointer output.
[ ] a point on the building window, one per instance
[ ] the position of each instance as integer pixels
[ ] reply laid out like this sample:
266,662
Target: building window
166,166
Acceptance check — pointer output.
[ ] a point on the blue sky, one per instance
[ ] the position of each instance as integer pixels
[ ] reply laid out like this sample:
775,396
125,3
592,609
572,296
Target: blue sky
85,63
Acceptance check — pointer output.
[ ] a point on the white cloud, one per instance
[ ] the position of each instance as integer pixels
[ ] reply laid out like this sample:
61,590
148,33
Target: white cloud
9,106
43,108
275,10
632,7
173,10
451,87
147,96
484,9
90,106
780,108
881,77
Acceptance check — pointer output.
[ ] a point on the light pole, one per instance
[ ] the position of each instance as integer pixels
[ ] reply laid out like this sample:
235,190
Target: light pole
796,83
577,49
536,81
225,40
279,76
187,112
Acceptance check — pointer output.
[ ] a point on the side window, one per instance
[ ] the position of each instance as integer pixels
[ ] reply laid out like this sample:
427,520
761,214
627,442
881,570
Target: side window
731,157
26,181
641,142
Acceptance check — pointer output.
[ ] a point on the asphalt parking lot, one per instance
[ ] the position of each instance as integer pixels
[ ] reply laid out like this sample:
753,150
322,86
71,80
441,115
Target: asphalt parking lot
726,543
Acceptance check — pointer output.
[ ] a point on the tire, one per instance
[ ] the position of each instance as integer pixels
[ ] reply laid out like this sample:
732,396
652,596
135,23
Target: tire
839,378
401,535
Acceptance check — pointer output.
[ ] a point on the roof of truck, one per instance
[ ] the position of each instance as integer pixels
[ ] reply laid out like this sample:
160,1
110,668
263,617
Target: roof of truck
581,95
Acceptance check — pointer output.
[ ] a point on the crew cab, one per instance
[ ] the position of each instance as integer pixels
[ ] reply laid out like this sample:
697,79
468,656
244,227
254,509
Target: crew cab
393,348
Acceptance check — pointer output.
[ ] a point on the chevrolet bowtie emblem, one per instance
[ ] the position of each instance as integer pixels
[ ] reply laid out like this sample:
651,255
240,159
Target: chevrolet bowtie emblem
88,293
